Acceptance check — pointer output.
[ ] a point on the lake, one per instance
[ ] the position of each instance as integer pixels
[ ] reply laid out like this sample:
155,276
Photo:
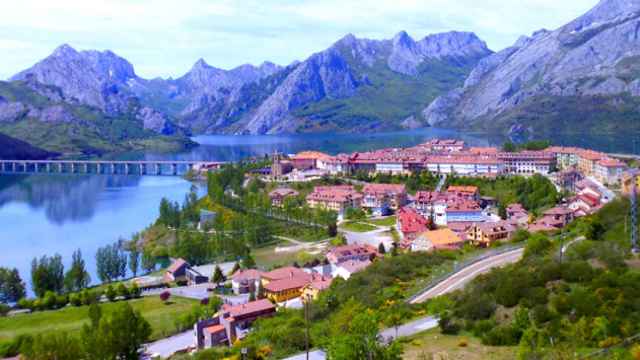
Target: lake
47,214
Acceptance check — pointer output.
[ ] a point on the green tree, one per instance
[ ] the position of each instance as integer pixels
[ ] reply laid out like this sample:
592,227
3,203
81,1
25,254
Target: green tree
148,262
12,288
248,262
381,249
47,274
95,314
110,293
218,276
362,342
123,291
57,345
236,267
118,336
134,260
135,290
502,211
77,277
111,262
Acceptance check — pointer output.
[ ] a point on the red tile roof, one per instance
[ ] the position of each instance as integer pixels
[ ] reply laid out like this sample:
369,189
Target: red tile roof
340,193
352,250
612,163
248,308
249,274
310,155
284,273
467,190
384,189
214,329
411,221
176,265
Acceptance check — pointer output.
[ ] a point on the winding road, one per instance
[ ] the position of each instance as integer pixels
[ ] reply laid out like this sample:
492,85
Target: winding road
466,274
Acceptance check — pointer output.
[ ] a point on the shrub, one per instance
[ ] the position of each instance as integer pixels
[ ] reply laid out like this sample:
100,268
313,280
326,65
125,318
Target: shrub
10,348
482,327
504,335
135,291
110,293
4,309
25,303
62,301
165,295
123,291
90,297
49,301
75,299
448,325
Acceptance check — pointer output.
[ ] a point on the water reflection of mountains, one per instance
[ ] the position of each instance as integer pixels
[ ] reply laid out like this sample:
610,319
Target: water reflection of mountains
63,197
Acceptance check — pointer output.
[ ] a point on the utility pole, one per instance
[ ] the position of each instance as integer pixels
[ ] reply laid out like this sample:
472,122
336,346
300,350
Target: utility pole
306,302
634,215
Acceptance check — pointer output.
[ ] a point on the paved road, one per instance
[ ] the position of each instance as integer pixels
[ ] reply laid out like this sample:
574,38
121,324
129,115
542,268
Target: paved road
313,355
386,336
169,346
464,276
198,292
410,328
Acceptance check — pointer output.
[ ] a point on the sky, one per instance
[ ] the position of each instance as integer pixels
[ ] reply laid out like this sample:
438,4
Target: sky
166,37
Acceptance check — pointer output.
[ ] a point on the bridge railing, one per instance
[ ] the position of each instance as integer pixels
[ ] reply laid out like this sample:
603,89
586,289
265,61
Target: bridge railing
461,266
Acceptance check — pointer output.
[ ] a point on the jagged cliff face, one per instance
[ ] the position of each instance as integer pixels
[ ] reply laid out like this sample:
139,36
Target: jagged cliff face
93,78
341,71
327,91
596,56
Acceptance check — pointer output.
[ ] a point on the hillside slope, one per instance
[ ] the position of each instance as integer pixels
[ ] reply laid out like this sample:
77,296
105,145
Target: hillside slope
42,116
584,76
11,148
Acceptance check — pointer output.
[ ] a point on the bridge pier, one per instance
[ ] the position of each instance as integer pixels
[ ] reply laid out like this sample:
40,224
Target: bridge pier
158,169
143,169
113,168
48,167
174,169
86,168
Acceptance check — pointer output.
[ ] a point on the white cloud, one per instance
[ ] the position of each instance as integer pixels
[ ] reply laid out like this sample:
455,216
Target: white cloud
165,37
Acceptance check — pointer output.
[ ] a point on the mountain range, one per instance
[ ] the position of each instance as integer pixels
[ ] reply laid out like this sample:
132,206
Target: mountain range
584,76
585,73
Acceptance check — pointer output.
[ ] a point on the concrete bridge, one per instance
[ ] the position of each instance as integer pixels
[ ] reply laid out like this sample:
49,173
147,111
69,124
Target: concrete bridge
113,167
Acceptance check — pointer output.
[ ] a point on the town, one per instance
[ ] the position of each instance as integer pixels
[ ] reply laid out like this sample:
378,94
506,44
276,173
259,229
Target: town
333,217
445,218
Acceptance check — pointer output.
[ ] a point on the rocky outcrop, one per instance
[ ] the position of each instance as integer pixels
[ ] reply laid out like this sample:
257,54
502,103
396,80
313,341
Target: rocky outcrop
594,55
337,73
92,78
155,121
407,54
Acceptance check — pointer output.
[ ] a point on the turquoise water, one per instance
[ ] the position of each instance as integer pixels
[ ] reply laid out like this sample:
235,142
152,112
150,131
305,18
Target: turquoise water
47,214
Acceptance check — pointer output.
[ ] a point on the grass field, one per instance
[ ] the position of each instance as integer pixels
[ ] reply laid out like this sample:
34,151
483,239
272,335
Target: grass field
160,316
357,227
267,257
433,345
387,221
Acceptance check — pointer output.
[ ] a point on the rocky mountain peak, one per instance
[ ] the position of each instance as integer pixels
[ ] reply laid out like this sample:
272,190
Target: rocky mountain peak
606,11
403,39
200,64
64,50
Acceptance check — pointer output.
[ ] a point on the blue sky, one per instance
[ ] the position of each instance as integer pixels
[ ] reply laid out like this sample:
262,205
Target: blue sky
166,37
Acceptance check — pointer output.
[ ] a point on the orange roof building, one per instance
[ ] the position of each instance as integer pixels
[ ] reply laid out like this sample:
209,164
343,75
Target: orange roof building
441,239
